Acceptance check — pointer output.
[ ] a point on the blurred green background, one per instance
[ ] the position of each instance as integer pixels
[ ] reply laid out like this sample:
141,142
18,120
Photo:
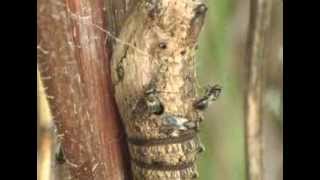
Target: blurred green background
221,59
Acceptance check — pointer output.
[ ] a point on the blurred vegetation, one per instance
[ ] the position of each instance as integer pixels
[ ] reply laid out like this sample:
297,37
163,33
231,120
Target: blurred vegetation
221,60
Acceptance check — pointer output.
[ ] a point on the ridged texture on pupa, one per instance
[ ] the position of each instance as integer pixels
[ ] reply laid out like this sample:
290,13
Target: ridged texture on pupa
156,50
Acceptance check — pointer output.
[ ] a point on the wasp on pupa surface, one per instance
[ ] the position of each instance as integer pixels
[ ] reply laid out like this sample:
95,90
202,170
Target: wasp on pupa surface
173,125
153,102
211,94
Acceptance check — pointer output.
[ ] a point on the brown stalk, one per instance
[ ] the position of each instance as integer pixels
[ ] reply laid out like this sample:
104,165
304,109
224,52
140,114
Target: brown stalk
74,64
260,13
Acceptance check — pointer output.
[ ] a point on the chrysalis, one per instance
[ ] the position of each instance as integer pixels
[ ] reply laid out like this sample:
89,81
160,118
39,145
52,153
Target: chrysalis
153,72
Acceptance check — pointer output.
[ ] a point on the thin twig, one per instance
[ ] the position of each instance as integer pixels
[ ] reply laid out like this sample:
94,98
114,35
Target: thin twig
260,13
44,163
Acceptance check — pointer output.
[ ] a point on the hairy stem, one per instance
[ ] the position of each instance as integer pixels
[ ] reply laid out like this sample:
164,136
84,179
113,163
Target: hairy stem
74,64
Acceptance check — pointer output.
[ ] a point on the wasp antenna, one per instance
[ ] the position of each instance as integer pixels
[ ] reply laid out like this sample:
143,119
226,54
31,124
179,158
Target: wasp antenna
168,92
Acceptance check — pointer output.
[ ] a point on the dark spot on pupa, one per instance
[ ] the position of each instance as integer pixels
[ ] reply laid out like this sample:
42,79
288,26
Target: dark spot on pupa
138,129
181,159
163,45
151,13
183,52
142,153
120,72
160,163
154,8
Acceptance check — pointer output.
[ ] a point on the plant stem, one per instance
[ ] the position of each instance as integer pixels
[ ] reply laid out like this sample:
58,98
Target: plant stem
260,13
45,133
74,64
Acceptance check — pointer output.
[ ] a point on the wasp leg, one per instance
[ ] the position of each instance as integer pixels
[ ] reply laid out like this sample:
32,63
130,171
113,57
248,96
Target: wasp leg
173,125
195,175
212,93
201,148
192,125
201,104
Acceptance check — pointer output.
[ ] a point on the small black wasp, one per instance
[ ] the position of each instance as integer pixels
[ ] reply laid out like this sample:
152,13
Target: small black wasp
211,94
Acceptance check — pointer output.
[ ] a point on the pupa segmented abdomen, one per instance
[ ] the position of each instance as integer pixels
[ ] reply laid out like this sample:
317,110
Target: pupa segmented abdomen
153,74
